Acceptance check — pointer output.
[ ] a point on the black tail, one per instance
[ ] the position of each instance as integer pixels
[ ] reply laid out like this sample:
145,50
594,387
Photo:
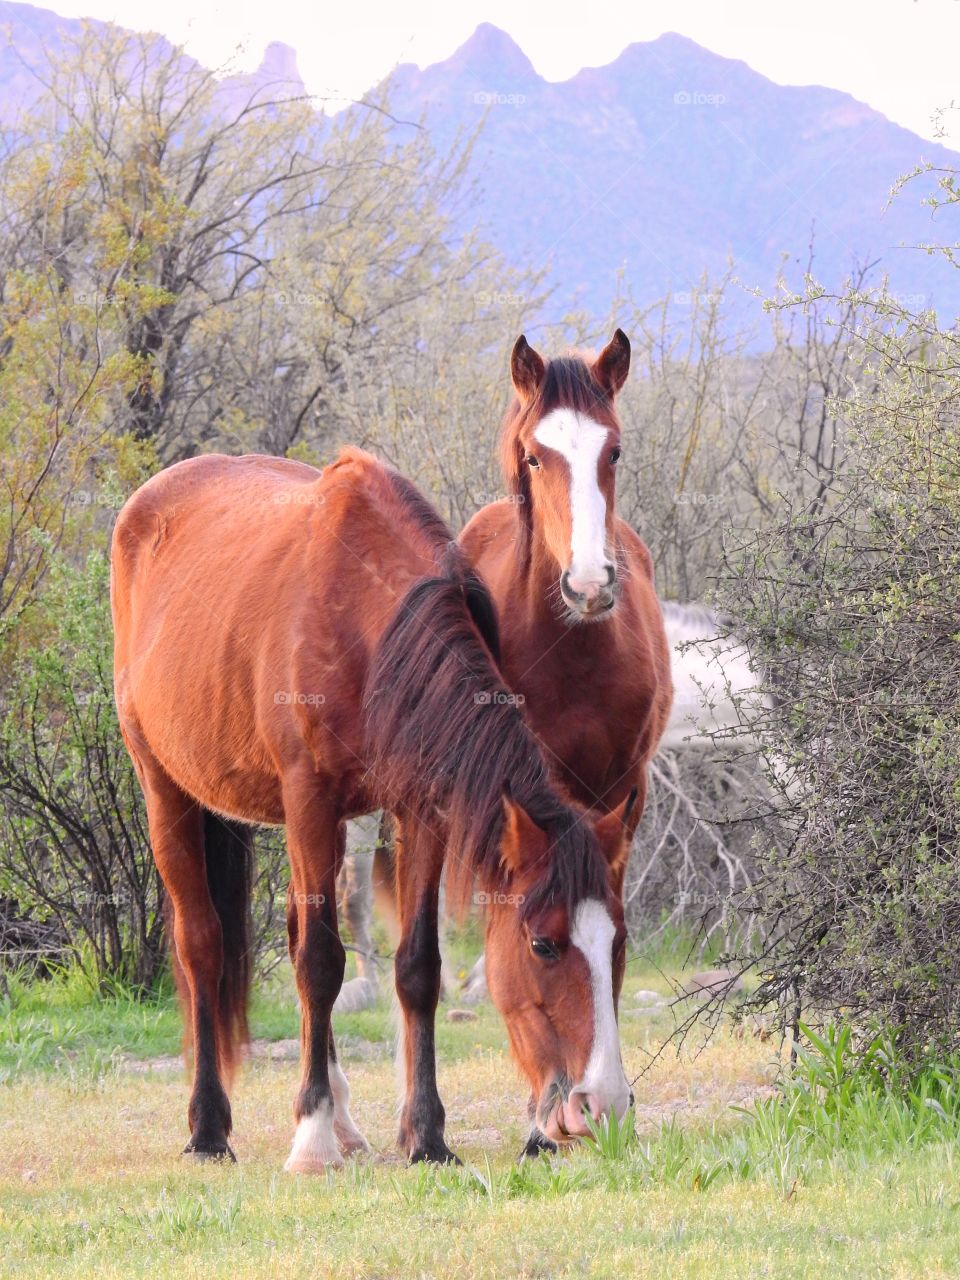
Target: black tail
228,854
228,850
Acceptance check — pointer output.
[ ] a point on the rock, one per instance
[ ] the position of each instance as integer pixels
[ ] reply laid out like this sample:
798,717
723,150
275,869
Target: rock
713,983
276,1050
648,998
356,995
461,1015
474,988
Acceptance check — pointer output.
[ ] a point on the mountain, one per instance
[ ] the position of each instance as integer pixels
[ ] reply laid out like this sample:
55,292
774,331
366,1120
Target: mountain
672,160
29,36
642,174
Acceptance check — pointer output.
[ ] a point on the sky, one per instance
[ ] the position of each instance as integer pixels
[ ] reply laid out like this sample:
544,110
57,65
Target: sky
900,56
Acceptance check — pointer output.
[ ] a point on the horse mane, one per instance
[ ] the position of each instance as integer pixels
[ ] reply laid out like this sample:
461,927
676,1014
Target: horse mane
451,560
567,384
444,738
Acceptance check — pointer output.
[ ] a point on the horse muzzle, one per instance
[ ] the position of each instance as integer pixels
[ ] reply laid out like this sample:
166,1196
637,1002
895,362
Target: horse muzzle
591,595
566,1117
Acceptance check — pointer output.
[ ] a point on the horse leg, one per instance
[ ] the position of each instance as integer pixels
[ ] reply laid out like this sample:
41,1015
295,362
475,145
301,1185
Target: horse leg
384,879
537,1143
176,836
315,843
355,902
348,1136
419,866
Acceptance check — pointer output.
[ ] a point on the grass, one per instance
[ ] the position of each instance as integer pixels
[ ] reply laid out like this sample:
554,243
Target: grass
836,1171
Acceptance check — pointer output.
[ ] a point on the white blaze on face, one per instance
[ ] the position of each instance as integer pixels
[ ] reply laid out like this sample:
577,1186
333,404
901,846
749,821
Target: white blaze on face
592,934
580,441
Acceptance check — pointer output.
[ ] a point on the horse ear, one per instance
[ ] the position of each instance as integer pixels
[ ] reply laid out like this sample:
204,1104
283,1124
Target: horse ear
523,841
526,369
612,832
612,365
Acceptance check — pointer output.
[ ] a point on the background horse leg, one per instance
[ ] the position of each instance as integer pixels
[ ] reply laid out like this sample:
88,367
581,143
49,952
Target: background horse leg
177,827
315,843
355,898
419,863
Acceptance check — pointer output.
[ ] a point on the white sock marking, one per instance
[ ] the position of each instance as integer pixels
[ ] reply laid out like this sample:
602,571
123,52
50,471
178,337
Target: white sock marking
346,1131
314,1143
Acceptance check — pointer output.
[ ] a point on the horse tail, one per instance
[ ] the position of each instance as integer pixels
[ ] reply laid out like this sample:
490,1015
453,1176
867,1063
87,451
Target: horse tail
456,568
228,855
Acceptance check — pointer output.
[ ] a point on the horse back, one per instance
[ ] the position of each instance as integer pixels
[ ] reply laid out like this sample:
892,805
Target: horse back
248,596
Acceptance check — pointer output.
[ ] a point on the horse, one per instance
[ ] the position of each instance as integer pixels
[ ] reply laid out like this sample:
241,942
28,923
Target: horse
582,634
718,694
298,647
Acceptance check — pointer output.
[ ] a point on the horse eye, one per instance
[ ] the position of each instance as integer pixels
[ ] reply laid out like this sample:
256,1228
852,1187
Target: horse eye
543,948
615,455
533,461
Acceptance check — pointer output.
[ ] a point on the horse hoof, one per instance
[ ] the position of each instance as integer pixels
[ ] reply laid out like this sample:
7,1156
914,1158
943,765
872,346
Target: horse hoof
433,1153
537,1145
353,1144
204,1152
311,1165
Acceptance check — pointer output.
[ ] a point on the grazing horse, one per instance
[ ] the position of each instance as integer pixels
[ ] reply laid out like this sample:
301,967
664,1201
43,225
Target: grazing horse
582,635
300,647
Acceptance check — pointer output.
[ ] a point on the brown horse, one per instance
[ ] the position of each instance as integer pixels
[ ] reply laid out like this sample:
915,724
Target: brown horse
298,647
582,636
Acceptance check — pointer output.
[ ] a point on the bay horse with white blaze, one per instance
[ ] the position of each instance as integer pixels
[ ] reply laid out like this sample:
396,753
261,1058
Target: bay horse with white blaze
582,634
299,647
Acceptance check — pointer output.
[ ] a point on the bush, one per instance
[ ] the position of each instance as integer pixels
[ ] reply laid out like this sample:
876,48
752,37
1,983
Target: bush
77,877
851,604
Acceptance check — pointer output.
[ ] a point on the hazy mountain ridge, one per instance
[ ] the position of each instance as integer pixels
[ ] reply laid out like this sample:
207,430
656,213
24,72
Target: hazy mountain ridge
649,170
670,159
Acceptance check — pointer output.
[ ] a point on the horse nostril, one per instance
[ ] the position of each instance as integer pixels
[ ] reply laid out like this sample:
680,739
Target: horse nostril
611,575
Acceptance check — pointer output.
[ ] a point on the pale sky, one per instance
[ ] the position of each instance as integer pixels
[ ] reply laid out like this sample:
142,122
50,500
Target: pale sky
900,56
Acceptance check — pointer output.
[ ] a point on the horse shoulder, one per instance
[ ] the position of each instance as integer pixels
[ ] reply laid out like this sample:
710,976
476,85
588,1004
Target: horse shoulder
488,537
636,550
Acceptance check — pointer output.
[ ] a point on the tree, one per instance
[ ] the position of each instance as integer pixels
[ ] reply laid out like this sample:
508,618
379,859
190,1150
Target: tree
850,602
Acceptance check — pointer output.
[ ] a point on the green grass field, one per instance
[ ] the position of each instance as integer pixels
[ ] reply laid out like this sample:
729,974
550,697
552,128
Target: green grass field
725,1177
